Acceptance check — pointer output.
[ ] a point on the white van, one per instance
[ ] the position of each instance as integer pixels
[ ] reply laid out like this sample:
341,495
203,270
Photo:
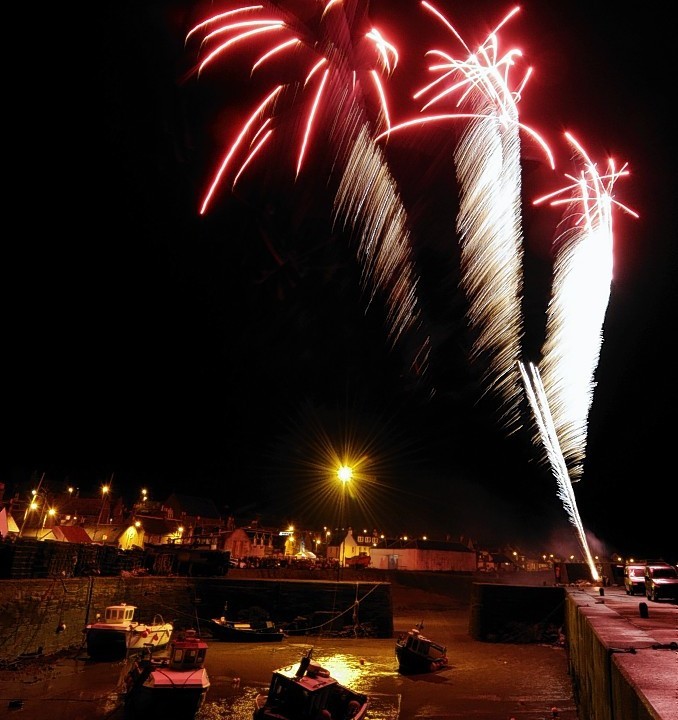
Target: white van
634,578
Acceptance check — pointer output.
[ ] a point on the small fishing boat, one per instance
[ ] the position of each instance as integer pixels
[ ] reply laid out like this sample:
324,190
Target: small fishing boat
119,634
255,625
419,654
171,687
255,631
308,692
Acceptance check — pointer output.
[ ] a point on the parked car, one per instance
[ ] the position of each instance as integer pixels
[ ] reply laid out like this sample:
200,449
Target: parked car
634,578
661,581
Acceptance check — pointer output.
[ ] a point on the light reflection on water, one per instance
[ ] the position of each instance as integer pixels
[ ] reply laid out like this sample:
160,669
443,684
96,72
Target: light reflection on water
238,707
237,700
241,707
355,671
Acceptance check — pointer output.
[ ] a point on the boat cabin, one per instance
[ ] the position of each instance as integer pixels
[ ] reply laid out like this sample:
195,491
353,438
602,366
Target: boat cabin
187,652
118,614
421,645
302,696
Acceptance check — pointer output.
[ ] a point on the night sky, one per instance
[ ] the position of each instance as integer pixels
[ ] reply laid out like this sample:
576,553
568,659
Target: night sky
230,355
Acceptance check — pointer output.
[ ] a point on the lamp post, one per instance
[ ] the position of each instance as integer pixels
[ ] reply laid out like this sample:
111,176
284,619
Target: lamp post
33,505
344,473
50,513
104,493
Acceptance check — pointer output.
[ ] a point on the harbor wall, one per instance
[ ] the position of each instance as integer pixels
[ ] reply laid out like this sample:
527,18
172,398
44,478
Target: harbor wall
48,616
619,672
516,613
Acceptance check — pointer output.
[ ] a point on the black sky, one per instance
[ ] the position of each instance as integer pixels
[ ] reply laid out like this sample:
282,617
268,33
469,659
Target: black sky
215,355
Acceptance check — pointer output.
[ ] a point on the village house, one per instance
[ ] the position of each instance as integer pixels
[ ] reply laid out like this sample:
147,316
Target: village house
252,542
345,549
419,554
185,520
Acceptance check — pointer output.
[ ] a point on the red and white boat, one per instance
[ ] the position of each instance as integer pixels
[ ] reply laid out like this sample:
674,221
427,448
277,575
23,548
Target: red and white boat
171,687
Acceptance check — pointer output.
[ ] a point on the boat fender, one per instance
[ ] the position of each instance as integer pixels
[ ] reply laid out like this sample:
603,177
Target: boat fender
353,708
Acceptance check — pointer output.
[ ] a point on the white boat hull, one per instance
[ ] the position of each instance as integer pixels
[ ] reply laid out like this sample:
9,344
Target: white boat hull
118,642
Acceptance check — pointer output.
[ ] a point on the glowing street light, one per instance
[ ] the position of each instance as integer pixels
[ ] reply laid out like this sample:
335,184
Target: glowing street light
33,505
50,513
104,492
345,473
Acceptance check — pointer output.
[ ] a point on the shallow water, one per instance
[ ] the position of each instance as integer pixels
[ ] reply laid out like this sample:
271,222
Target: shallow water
483,681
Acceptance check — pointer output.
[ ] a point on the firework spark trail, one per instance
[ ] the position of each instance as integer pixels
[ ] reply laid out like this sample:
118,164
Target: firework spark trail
340,74
487,160
380,217
491,253
536,395
580,295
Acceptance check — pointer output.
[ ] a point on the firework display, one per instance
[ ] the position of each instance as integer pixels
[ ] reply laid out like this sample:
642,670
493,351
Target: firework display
343,61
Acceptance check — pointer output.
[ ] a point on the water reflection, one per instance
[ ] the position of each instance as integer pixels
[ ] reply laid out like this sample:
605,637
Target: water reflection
76,689
237,707
345,669
241,707
233,697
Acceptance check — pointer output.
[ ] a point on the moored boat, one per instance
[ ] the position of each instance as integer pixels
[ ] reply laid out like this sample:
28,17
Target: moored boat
419,654
256,631
119,633
175,686
307,691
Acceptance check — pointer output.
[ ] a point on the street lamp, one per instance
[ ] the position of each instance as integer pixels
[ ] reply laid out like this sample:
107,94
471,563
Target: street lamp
344,473
51,513
104,492
33,505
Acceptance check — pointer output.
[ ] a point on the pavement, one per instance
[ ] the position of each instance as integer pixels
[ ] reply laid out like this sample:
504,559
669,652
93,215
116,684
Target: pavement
640,638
